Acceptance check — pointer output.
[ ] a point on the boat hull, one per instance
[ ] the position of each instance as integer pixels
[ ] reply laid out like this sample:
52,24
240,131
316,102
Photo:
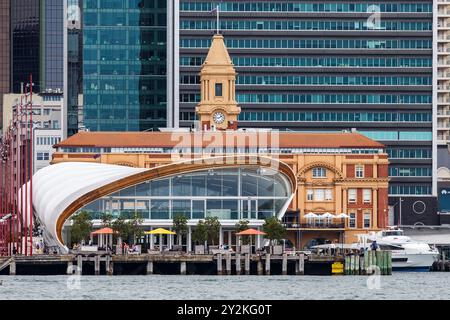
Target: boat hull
413,262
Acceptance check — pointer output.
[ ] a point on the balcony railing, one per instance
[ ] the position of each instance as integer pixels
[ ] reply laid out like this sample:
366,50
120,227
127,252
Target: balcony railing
316,225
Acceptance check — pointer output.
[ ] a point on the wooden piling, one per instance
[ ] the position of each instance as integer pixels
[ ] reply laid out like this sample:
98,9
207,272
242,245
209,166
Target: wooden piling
284,265
238,264
183,266
12,267
108,265
357,267
352,264
228,264
379,263
97,265
389,263
149,267
69,270
301,265
79,265
247,264
219,264
362,265
347,265
259,267
366,261
267,264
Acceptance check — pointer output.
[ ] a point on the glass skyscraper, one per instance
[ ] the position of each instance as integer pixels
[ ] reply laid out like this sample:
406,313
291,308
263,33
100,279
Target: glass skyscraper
124,64
326,66
52,44
25,38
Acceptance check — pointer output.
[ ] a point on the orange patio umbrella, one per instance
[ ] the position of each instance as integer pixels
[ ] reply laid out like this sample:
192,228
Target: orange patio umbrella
104,232
251,232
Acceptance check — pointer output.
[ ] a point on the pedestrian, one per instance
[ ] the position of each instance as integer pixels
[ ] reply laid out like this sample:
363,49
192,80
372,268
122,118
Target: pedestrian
374,245
14,250
333,248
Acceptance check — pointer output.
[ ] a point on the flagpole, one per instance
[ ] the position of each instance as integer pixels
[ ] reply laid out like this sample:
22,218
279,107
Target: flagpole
217,15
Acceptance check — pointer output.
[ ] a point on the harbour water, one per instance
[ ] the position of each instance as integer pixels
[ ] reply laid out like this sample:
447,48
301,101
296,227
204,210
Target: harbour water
433,285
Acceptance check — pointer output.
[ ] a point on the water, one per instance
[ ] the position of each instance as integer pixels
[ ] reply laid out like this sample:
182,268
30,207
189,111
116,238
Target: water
398,286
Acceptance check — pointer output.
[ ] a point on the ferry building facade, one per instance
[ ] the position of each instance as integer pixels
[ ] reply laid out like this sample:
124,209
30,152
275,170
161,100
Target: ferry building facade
322,186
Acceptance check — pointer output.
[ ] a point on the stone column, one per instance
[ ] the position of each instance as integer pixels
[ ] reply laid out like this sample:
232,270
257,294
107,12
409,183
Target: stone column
220,237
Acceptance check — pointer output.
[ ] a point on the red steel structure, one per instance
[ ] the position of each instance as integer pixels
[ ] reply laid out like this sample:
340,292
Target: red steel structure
16,179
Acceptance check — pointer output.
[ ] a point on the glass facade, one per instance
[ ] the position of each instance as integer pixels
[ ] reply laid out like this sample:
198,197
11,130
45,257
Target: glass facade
291,56
328,25
337,116
25,29
52,39
5,54
374,44
341,80
300,6
323,98
229,194
318,62
124,64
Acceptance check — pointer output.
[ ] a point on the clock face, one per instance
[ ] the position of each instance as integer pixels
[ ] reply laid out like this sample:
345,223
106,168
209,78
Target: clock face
219,117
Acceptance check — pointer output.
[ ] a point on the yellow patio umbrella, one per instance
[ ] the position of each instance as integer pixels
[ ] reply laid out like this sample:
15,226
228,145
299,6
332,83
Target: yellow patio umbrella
160,231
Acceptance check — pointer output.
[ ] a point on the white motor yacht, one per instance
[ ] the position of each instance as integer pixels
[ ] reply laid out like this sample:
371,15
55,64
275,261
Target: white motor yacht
407,254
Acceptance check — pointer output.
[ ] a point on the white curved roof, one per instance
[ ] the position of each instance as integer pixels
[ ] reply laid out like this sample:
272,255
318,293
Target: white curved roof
58,186
51,198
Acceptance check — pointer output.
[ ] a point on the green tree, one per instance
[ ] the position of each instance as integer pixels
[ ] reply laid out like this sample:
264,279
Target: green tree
274,229
81,227
180,226
134,227
106,220
128,228
200,234
242,225
212,225
121,227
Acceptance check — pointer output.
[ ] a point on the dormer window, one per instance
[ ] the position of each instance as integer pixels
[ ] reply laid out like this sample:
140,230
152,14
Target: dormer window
218,91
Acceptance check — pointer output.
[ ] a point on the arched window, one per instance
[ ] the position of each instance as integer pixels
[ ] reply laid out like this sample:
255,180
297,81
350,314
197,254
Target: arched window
228,193
319,172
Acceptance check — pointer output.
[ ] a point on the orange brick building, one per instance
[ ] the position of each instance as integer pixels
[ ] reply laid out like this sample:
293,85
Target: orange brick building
338,181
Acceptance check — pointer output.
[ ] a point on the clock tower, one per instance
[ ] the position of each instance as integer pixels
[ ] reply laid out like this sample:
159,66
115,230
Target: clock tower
218,106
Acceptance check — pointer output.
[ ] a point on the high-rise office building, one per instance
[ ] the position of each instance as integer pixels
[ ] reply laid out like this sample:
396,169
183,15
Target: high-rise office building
126,79
4,51
52,45
25,43
326,66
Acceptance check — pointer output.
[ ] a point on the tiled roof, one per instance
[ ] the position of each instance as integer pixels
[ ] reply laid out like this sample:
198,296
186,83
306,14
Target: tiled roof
219,139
